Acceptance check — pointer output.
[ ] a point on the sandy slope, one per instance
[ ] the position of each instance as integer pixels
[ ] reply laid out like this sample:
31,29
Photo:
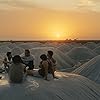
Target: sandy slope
81,54
68,87
97,50
91,69
90,45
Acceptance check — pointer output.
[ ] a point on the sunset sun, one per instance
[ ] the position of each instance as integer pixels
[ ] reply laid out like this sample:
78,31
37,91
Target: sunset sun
58,35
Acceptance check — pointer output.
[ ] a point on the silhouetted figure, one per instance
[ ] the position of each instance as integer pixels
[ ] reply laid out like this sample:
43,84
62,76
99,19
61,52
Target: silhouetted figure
16,70
51,63
7,61
43,71
28,60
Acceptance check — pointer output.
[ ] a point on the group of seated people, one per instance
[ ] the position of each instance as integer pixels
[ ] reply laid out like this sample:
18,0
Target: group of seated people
17,67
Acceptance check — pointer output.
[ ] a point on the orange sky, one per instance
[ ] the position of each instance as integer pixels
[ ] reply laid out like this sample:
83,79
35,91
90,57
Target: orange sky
37,23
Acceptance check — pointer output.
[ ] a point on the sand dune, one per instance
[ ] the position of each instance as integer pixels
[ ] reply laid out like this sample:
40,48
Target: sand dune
91,69
29,45
81,54
97,50
4,49
17,51
12,45
98,44
65,48
90,45
68,87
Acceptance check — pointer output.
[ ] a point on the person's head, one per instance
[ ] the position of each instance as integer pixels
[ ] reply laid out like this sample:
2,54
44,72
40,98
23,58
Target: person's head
9,54
16,59
27,52
50,54
43,57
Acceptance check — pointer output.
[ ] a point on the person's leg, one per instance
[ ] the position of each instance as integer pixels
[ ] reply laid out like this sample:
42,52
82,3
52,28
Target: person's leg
52,72
30,72
41,72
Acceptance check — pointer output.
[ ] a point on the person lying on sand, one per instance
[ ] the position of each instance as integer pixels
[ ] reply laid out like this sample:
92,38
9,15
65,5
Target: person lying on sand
16,70
28,60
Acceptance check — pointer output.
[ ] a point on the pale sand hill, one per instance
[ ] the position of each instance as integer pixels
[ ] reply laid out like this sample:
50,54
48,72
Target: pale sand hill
17,51
68,87
97,50
90,45
98,44
81,54
12,45
74,44
65,48
4,49
91,69
29,45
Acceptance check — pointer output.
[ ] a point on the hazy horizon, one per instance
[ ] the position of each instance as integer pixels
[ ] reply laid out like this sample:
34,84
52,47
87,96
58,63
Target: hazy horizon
49,19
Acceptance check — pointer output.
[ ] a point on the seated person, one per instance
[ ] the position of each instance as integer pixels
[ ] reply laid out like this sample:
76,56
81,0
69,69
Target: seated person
28,60
7,61
16,70
43,71
52,63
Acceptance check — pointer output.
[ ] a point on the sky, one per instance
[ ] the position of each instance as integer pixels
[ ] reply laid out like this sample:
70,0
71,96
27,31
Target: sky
49,19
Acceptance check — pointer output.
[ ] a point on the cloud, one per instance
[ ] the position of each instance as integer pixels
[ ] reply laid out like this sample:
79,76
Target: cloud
89,5
15,4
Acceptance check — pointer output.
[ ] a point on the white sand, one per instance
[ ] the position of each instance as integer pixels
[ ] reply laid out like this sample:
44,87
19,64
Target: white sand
68,87
90,69
29,45
97,50
90,45
12,45
65,48
74,44
81,54
4,49
98,44
17,51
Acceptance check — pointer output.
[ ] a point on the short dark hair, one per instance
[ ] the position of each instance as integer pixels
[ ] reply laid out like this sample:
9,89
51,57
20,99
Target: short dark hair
8,53
16,59
43,57
50,53
27,50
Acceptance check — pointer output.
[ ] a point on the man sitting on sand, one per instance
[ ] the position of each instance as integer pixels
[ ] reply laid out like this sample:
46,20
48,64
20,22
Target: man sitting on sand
28,60
16,70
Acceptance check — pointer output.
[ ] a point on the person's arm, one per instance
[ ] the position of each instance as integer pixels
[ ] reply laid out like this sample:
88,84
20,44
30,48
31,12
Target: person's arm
5,61
45,66
53,60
